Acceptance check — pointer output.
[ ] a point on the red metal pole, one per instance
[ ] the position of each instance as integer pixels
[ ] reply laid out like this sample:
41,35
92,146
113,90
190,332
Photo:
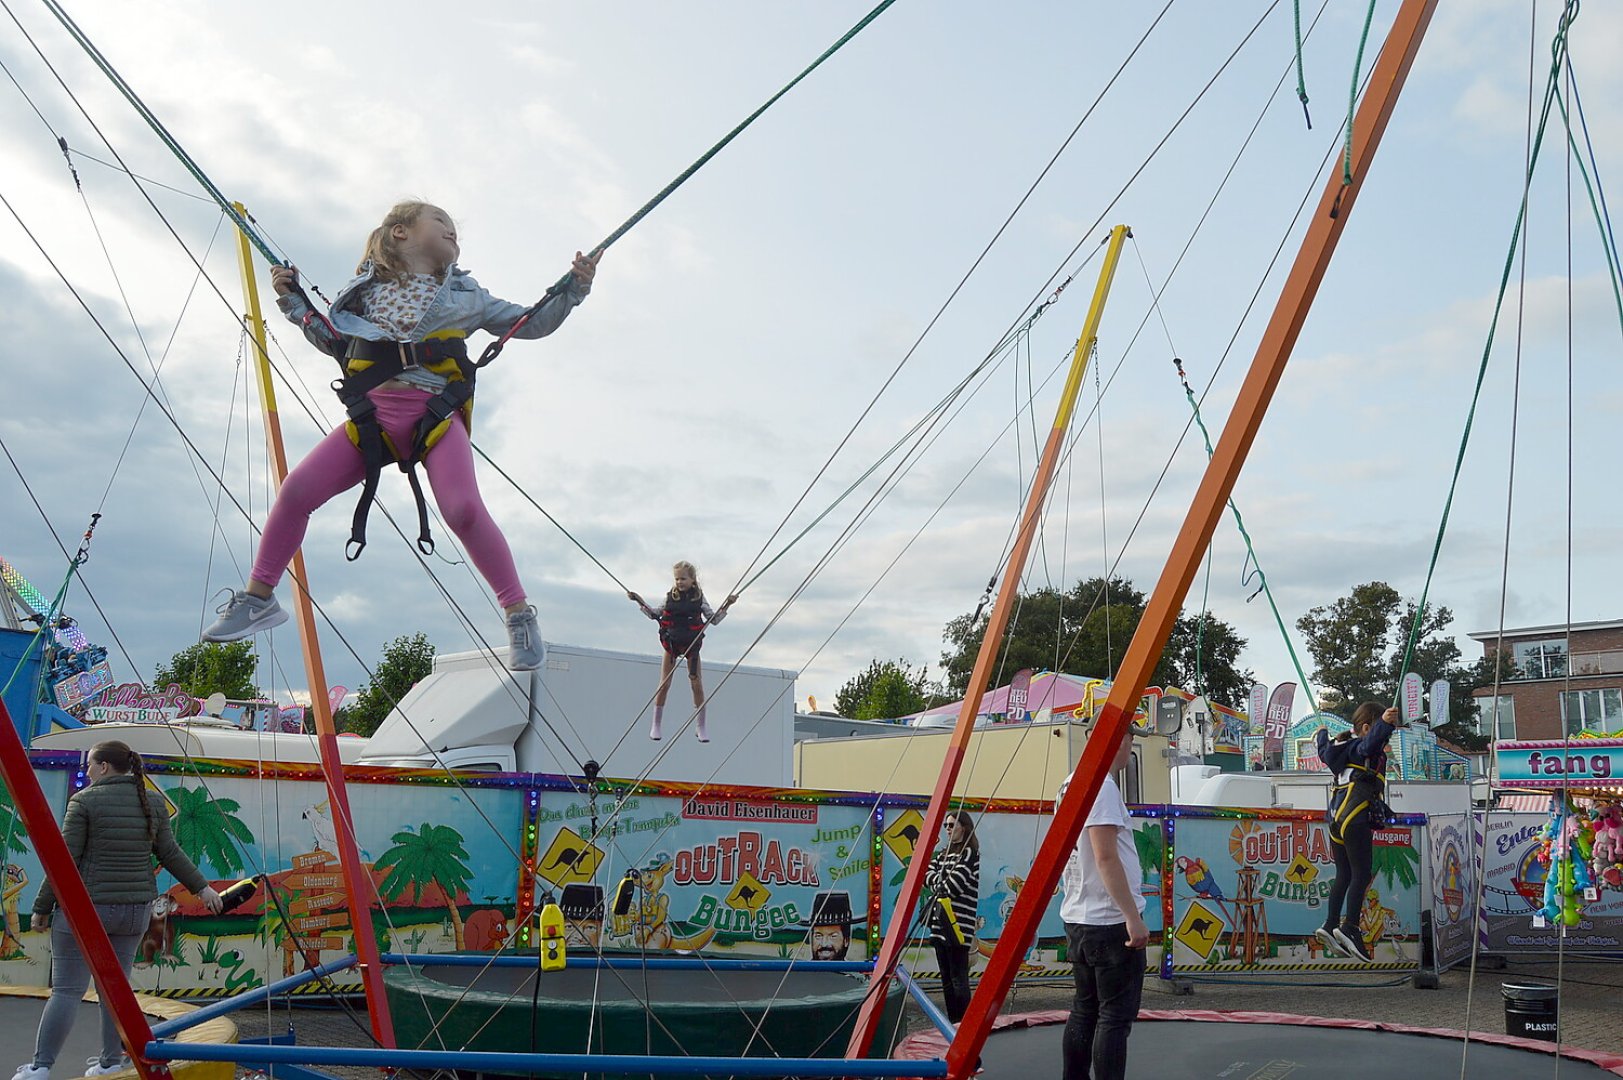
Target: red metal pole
901,917
1397,55
74,899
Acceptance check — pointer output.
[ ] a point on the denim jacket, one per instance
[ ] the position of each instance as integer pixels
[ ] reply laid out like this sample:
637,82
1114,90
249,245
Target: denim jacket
461,304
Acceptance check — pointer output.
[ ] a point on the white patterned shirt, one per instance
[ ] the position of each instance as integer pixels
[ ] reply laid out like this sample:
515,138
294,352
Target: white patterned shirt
396,310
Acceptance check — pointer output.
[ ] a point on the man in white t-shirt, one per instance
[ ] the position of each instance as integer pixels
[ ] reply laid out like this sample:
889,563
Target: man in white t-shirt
1102,907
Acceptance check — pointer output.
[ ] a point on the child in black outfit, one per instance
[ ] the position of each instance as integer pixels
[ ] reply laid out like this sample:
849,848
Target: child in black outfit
1358,761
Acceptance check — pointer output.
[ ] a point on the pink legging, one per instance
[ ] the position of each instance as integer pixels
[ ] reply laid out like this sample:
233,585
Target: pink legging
335,466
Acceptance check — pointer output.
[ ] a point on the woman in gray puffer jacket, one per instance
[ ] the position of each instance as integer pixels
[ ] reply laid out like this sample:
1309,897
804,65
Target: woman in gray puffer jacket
112,832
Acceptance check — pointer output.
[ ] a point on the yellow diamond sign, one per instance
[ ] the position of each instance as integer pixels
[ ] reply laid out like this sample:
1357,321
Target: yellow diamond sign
1300,871
903,834
749,894
1200,929
569,858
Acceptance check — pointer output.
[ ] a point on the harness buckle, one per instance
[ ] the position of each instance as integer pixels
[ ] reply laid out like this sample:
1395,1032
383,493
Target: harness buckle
408,355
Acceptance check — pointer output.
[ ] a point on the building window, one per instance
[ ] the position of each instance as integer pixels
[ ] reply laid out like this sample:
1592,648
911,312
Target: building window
1496,721
1592,710
1541,659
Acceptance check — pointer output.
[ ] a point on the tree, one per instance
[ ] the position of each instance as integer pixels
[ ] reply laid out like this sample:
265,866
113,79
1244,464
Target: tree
884,690
407,660
1203,656
212,667
1494,667
1358,644
1349,642
1086,630
1081,630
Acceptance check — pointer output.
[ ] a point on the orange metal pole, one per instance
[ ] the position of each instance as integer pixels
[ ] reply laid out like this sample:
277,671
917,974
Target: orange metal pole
1392,67
901,919
74,899
357,879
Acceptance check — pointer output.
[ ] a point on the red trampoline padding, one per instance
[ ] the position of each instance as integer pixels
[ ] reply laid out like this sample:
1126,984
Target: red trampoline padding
931,1044
928,1045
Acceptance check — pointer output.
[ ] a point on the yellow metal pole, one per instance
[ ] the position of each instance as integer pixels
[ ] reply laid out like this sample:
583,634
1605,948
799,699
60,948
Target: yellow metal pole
1205,510
890,949
357,876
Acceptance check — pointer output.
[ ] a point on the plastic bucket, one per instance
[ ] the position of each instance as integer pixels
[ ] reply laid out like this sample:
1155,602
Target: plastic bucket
1531,1010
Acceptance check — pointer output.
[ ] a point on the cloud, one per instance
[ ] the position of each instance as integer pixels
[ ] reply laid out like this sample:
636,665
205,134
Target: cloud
736,334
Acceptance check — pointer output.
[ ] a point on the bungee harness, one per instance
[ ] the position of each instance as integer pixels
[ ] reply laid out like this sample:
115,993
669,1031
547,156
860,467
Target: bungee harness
1360,793
682,621
368,365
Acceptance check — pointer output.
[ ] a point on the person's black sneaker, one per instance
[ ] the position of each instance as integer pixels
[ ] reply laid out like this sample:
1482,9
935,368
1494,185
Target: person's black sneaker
1326,936
1352,943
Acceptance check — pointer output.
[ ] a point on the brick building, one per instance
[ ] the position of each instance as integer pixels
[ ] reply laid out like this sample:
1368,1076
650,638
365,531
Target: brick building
1565,678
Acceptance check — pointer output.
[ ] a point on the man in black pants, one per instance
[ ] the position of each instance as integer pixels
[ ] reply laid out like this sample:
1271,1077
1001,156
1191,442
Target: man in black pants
1102,907
1359,765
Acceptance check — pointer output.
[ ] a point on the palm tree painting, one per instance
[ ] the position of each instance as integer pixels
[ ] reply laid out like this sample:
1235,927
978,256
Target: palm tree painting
1399,863
208,830
433,855
1150,843
274,929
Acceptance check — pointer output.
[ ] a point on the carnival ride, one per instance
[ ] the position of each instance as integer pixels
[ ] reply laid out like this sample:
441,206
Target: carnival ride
73,670
871,1015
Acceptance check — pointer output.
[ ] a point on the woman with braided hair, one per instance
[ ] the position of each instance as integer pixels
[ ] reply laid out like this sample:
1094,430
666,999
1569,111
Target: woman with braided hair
112,832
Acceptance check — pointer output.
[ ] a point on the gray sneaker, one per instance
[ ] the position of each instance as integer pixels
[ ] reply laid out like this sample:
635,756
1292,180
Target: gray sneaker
243,616
525,649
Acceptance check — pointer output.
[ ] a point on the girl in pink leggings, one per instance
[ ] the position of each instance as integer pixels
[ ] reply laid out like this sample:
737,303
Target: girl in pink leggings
399,329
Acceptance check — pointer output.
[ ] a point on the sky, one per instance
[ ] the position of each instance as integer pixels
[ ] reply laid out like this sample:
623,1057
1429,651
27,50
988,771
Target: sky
807,285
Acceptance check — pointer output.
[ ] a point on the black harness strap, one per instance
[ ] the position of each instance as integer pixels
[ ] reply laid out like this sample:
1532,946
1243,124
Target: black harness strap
388,359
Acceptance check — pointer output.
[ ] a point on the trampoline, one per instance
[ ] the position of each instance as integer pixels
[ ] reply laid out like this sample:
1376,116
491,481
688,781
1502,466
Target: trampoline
1199,1044
802,1011
20,1008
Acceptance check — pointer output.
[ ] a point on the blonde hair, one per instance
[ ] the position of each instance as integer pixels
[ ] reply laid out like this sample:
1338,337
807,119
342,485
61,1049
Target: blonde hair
693,572
383,250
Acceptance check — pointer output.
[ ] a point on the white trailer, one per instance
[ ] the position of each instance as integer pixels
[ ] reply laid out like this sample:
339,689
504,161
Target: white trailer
591,705
1311,791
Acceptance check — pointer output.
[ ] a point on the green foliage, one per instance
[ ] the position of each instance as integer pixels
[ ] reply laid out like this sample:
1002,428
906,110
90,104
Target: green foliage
1203,656
1350,641
407,660
1085,631
212,667
885,690
1358,645
208,830
1492,668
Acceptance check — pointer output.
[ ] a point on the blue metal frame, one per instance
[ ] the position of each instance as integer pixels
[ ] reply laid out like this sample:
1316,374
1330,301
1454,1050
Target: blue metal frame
482,1061
291,1061
653,963
253,997
932,1012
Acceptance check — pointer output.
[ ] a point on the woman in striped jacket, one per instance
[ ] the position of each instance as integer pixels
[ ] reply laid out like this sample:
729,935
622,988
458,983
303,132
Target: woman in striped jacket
954,880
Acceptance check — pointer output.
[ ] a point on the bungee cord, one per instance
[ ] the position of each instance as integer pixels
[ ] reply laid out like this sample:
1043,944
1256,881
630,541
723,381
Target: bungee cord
601,564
